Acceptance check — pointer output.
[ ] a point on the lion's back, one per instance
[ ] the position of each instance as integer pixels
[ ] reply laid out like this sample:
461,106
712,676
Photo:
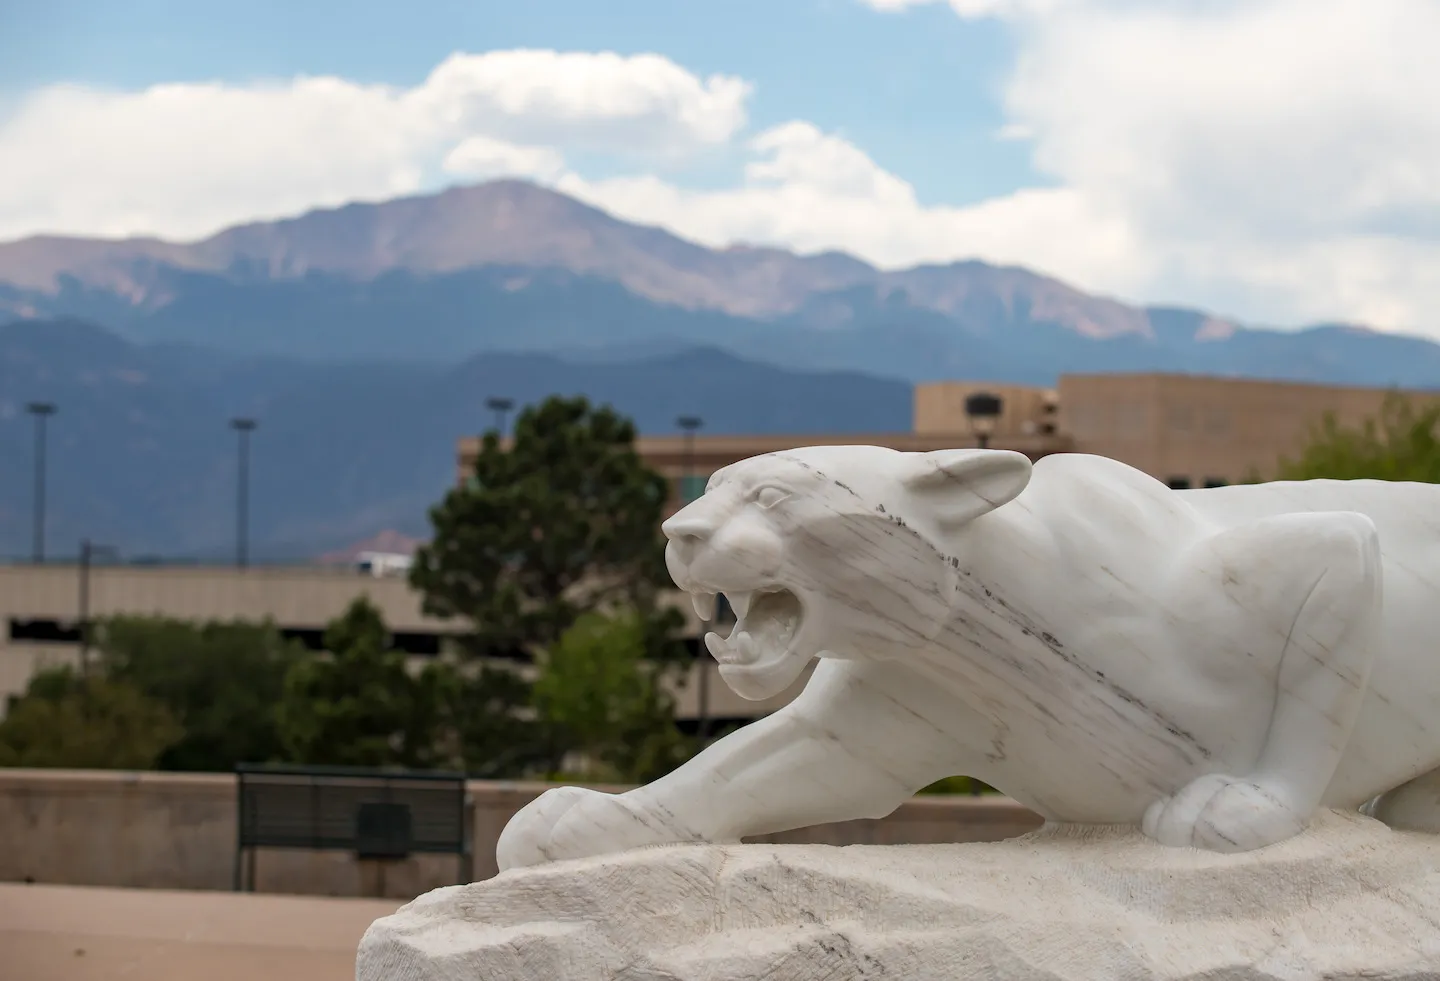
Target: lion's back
1406,514
1097,499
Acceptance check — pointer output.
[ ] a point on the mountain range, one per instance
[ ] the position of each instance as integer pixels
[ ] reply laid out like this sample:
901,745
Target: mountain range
508,266
140,454
367,337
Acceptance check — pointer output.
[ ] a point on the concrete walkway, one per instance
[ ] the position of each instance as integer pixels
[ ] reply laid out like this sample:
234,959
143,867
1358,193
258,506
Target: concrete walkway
73,933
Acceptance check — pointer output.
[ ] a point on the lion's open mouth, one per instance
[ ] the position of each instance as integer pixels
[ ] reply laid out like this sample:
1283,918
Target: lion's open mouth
766,622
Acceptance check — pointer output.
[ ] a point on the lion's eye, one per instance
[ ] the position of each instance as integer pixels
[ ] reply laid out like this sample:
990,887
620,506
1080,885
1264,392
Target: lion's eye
768,497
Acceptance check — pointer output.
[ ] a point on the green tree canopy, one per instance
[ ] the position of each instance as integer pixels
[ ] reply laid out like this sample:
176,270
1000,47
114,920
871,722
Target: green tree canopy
1399,444
561,522
605,697
564,521
65,720
359,704
220,681
485,708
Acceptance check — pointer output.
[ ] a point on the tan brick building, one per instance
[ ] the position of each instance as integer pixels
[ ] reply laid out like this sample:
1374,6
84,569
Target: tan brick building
1194,430
1188,430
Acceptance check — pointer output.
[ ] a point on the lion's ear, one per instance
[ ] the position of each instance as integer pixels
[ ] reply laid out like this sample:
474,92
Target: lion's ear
960,485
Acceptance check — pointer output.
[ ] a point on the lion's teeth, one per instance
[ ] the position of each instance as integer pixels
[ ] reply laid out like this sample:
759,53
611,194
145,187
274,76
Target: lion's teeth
718,648
747,648
704,604
736,650
740,603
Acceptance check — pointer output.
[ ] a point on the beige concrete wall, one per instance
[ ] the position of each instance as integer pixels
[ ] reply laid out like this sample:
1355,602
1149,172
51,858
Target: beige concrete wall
177,831
1025,410
1205,429
292,597
169,831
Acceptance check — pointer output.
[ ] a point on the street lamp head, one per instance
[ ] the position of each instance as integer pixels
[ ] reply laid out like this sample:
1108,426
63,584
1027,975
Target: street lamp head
689,423
983,410
243,425
499,404
41,408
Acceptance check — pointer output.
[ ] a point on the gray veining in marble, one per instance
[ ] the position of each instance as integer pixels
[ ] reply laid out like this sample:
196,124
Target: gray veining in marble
1213,666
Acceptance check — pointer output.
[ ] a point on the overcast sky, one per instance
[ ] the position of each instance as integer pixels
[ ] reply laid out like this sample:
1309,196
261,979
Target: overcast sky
1273,160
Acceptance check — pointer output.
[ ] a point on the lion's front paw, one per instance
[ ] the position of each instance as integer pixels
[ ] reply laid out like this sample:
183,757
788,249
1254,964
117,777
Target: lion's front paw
575,822
1223,814
526,838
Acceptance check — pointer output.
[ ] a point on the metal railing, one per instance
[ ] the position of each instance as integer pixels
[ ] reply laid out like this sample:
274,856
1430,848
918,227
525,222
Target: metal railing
374,814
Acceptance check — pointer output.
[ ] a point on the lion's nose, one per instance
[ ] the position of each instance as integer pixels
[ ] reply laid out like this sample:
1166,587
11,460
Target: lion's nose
687,524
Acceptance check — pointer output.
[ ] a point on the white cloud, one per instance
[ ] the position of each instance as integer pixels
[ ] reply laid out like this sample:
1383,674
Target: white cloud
1274,156
484,158
183,160
812,191
605,101
975,8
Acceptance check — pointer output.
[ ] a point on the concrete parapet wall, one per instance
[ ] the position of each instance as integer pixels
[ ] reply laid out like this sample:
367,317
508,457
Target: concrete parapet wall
177,831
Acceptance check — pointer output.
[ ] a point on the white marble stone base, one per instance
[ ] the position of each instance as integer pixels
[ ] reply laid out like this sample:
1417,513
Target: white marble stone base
1347,899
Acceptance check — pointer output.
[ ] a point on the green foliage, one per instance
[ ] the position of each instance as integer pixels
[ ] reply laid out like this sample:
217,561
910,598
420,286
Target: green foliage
65,720
958,785
563,522
604,696
220,681
487,713
1400,444
359,705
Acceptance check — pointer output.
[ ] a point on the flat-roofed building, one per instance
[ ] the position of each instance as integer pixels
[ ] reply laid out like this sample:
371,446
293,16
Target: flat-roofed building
1193,431
40,606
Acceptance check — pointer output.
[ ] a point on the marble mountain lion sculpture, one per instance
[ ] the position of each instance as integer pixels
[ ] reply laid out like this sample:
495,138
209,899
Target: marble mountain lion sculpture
1211,665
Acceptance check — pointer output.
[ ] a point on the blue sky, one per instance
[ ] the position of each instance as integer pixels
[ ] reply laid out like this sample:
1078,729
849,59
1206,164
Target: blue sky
1267,160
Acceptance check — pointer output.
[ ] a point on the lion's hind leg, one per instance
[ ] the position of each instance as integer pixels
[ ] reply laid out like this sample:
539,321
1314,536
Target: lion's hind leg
1308,586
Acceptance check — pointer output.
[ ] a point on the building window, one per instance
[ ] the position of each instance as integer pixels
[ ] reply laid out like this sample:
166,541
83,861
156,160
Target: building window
1216,482
691,487
1178,483
45,631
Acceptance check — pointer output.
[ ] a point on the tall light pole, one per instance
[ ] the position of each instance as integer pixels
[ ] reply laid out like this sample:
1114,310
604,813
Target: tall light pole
501,407
88,551
688,425
42,411
984,410
243,428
